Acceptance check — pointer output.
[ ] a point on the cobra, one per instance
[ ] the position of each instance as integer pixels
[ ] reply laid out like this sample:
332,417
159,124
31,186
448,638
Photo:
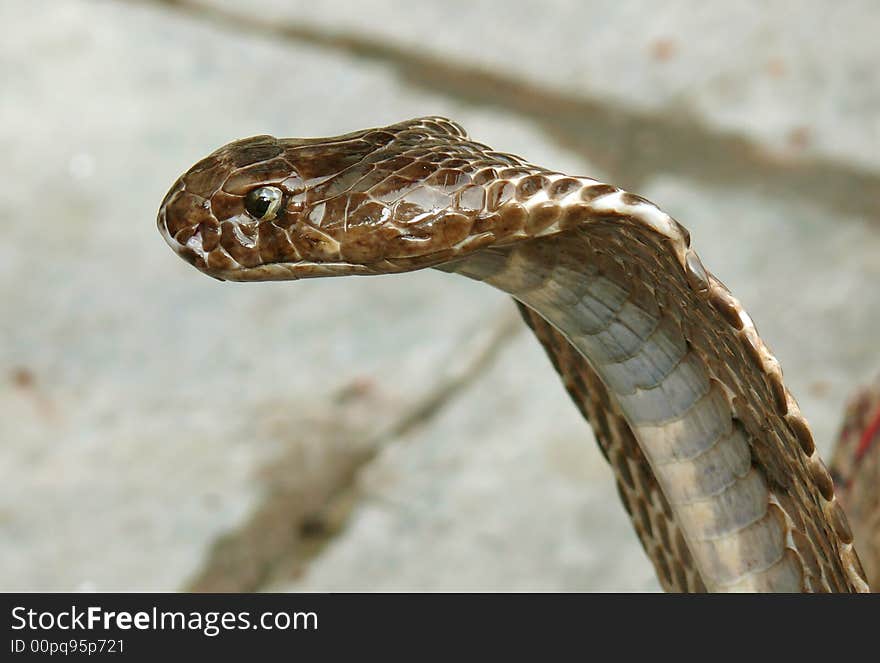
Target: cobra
714,462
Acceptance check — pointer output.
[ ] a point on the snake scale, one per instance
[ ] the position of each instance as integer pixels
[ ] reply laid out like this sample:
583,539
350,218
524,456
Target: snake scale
714,462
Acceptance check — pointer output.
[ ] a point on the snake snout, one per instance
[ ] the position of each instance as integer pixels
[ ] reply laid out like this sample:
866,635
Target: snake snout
205,217
184,220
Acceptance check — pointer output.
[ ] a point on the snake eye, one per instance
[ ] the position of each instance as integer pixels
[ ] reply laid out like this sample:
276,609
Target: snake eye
263,203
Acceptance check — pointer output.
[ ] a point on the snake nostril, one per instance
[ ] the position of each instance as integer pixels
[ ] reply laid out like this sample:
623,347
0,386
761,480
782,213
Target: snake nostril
196,240
201,230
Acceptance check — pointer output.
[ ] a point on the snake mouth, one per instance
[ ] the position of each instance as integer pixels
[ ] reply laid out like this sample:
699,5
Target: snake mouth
189,243
307,269
303,269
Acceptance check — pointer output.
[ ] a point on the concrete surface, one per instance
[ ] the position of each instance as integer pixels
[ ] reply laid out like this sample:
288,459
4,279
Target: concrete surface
160,431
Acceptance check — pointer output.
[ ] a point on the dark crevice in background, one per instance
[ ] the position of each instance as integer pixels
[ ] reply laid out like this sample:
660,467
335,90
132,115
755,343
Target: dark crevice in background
305,506
628,145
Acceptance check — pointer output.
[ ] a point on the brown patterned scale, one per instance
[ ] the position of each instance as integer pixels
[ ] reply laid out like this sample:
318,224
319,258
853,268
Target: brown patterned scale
715,465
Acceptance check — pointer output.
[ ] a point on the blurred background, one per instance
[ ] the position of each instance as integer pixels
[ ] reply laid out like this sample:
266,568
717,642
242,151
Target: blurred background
163,431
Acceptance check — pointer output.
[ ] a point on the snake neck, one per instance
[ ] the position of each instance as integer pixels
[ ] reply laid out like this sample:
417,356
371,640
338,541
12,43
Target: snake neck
732,484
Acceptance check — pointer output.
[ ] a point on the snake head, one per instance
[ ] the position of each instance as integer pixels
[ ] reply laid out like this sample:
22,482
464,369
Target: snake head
224,214
392,199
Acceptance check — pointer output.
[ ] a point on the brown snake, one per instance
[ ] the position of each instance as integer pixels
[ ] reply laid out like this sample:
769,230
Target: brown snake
714,462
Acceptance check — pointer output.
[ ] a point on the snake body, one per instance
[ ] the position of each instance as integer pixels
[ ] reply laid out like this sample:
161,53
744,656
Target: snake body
714,462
